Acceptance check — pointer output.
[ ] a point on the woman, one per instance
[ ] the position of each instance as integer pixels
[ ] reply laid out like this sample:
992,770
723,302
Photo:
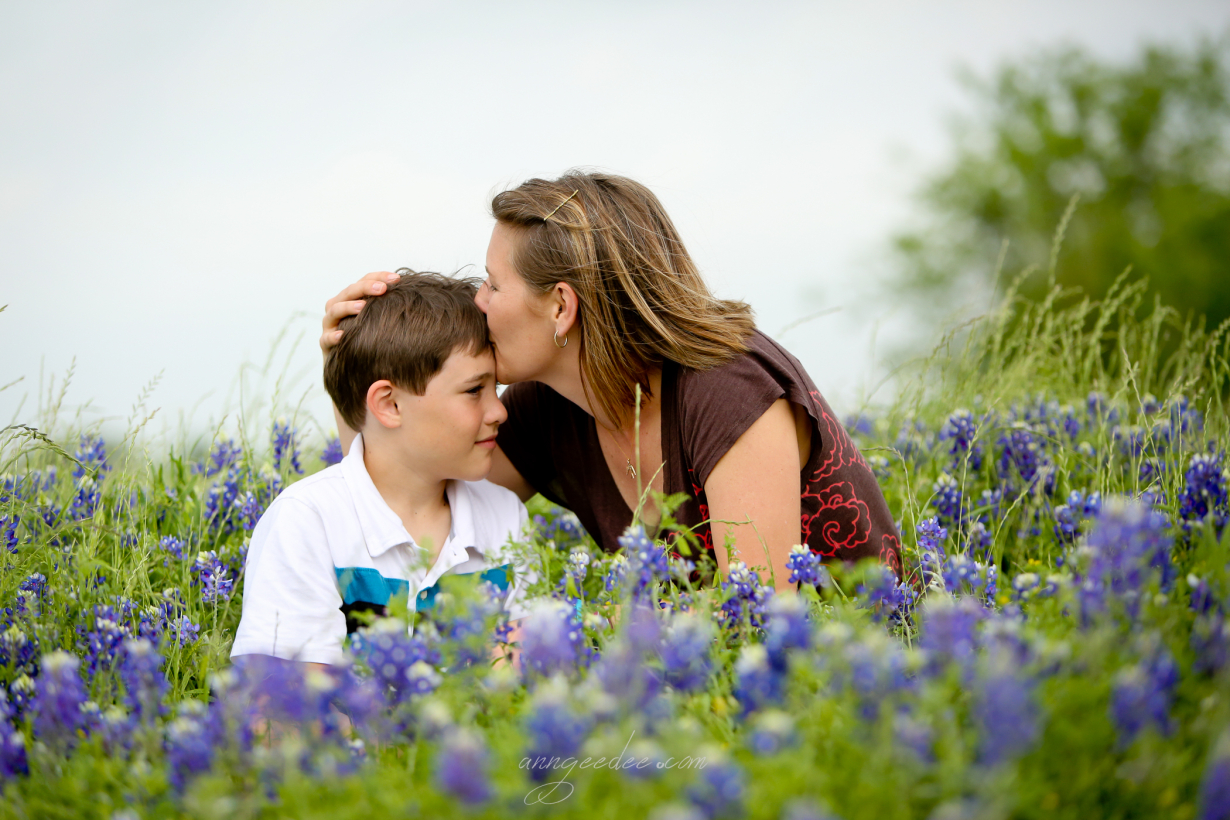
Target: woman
591,295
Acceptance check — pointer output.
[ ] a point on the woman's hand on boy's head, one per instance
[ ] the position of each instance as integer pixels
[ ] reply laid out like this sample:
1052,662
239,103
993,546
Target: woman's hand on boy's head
349,302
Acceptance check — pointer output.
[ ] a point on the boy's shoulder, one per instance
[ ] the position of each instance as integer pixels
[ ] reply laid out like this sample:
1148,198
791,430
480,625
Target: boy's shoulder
321,491
495,511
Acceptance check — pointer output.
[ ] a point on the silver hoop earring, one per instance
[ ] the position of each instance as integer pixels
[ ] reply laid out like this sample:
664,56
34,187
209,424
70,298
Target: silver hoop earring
555,338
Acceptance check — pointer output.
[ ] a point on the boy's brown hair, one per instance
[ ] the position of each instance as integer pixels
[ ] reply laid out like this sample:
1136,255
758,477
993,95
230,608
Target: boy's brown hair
405,335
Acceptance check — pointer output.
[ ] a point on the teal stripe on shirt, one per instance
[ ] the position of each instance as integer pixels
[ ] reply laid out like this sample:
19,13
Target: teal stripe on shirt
368,585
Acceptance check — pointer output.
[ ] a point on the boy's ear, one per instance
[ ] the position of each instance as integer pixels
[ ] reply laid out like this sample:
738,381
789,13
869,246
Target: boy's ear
564,307
382,404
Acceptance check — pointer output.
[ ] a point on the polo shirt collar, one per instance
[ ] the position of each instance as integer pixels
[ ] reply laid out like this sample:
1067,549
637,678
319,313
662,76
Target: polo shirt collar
383,529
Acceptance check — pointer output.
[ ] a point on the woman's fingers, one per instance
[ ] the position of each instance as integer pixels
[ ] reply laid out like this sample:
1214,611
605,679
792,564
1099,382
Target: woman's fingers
349,302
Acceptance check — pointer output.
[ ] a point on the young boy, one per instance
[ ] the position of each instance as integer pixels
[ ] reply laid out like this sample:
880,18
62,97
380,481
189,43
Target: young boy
414,374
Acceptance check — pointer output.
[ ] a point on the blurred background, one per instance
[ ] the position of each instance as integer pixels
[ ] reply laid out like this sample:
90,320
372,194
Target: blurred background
182,186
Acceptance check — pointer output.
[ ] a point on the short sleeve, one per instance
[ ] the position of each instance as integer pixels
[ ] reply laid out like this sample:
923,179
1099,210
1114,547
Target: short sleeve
525,436
291,604
718,406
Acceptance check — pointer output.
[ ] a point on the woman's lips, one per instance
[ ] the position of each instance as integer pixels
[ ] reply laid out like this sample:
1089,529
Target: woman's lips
489,443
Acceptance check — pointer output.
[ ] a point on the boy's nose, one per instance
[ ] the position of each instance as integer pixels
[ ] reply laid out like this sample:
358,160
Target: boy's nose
497,414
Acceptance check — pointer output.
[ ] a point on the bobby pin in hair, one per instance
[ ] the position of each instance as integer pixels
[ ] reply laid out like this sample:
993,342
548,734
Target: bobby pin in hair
562,204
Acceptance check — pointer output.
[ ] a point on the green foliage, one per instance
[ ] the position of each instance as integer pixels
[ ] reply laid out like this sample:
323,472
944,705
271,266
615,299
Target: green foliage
1141,151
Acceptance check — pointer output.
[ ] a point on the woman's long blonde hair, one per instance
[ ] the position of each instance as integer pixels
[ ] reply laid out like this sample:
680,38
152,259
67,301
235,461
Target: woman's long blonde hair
642,300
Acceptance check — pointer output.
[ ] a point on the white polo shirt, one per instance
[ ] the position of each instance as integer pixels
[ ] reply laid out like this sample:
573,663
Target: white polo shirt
329,545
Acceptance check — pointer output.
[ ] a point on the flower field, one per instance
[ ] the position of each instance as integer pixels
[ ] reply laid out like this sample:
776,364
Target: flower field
1056,647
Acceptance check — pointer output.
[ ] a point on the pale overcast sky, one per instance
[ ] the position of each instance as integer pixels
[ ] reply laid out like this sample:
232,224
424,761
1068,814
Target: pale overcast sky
181,181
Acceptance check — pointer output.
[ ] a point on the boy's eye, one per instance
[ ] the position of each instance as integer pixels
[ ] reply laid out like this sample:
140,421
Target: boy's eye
475,390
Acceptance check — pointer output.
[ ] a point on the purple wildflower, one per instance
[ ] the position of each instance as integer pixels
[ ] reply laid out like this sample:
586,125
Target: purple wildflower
1023,458
1210,643
948,630
8,532
745,597
718,791
140,670
771,732
886,596
1129,542
222,456
1142,694
788,628
685,652
551,638
1005,711
1215,785
647,561
757,682
91,457
461,767
1204,495
805,567
212,576
961,429
390,652
57,707
285,446
555,732
188,747
949,502
332,454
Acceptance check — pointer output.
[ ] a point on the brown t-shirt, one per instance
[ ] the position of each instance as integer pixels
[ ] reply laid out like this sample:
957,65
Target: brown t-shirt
553,443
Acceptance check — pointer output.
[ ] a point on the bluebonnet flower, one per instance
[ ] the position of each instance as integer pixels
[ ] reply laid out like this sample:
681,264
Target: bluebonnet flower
789,627
757,682
1215,785
961,429
718,791
1022,457
12,743
285,445
332,454
36,583
965,576
1204,492
188,746
859,424
91,457
875,667
647,561
220,502
212,576
140,670
1210,644
563,527
461,767
979,540
949,629
249,509
886,596
1100,411
551,638
616,571
1203,600
58,701
931,537
86,499
174,546
880,466
685,652
1004,710
744,597
914,441
18,650
949,501
1142,694
1129,541
104,640
805,567
555,731
626,678
771,732
572,585
8,532
222,456
1070,516
390,652
914,735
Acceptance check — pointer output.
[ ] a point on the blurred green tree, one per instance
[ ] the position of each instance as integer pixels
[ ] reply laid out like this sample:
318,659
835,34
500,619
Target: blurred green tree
1145,148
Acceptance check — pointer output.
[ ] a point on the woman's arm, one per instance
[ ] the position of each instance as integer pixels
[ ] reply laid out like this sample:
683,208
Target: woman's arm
758,480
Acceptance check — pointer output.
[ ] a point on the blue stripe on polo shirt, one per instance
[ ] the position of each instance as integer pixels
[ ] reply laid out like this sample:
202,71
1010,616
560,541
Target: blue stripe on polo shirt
369,586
